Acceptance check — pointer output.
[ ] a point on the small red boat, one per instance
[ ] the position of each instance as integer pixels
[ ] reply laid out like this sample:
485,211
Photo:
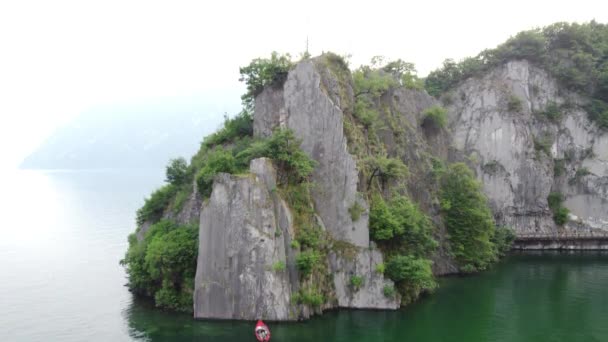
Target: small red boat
262,333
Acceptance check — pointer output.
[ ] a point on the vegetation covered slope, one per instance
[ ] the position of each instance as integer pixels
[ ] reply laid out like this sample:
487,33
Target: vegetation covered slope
575,54
399,150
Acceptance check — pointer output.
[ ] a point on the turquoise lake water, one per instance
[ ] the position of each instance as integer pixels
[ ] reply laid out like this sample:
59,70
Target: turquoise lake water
63,234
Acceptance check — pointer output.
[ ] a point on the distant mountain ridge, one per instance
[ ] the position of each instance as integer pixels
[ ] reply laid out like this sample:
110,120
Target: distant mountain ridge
130,135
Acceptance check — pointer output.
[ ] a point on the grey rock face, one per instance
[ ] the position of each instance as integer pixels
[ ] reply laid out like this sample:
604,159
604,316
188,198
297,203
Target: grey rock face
244,231
306,109
516,176
371,293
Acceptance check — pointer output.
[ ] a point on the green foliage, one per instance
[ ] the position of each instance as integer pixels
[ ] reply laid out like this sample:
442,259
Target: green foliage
239,126
380,268
372,82
412,275
306,261
355,211
284,149
262,72
468,218
218,160
514,104
503,240
555,200
405,72
309,296
402,225
155,205
386,169
559,167
575,54
356,282
560,216
560,213
163,264
389,291
279,266
365,112
552,112
177,171
543,143
435,117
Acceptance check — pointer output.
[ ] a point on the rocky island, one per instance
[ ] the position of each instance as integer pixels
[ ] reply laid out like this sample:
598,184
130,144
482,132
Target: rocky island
339,188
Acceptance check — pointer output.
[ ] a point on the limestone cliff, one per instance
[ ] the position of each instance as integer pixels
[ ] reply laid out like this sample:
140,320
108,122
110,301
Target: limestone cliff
504,142
245,231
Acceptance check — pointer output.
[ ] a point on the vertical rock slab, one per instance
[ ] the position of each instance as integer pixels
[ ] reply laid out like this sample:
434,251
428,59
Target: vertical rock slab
241,242
305,108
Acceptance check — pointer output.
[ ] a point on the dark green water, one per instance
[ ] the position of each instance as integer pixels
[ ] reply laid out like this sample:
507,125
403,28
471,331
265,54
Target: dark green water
63,233
527,297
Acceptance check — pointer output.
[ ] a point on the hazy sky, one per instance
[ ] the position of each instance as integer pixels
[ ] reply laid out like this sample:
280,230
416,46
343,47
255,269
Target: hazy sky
59,58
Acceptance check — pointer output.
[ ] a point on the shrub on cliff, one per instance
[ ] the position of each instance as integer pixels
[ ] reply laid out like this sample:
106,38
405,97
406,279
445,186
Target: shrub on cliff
468,219
412,276
218,160
163,264
435,117
401,226
155,205
177,171
262,72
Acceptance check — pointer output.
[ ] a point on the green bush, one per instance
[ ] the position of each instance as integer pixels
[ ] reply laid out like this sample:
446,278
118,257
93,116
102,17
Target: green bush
177,171
468,218
279,266
163,264
238,127
356,282
389,291
386,169
552,112
283,148
218,160
154,206
503,240
380,268
560,216
355,211
555,200
262,72
435,117
401,224
306,261
560,213
514,104
309,296
544,143
412,275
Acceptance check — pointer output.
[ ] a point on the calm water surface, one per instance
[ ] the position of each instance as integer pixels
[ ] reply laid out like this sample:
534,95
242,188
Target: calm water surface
63,233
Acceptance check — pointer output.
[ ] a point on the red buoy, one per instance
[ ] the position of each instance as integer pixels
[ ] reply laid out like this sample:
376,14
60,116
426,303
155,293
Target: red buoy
262,333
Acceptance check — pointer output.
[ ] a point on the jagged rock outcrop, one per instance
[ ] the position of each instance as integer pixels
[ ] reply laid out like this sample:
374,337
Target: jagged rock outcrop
497,121
305,106
245,231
